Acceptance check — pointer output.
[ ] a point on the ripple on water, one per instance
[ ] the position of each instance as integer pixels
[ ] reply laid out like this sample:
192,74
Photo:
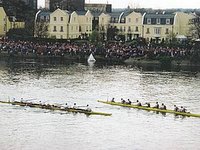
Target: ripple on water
30,128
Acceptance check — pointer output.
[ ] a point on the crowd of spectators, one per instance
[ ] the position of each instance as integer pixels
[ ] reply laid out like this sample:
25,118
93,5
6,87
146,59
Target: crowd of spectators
106,50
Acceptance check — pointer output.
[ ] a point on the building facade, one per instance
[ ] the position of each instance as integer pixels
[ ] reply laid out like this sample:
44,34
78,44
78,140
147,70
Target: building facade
131,25
162,26
70,25
8,22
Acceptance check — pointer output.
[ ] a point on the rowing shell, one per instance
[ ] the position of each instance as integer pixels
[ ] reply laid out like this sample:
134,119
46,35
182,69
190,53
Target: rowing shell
51,107
150,108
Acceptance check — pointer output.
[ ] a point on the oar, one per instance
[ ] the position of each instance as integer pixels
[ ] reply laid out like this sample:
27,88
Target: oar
30,99
81,106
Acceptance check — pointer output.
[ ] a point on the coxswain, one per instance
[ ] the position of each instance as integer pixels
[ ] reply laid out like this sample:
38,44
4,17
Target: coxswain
176,108
88,108
138,103
113,99
123,101
157,105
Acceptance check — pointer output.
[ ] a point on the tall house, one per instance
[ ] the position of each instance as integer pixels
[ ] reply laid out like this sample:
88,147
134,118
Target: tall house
8,22
70,5
70,25
157,26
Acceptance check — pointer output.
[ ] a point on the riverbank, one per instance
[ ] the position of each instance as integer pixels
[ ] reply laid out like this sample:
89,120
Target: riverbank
174,64
64,58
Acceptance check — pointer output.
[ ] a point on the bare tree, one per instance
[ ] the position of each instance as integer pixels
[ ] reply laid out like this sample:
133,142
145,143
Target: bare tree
195,27
41,29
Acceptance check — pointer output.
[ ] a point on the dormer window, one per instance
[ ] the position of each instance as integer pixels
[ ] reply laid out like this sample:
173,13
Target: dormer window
158,21
167,21
148,21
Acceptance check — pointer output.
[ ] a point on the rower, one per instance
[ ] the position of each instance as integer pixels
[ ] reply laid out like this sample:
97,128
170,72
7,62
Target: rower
123,101
163,106
182,109
148,104
129,102
113,99
176,108
156,106
13,100
22,100
138,103
75,107
88,108
65,106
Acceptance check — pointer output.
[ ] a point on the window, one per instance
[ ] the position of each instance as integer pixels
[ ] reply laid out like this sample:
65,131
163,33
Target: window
61,29
4,29
74,19
54,28
148,31
167,21
61,18
148,21
54,18
124,29
72,28
167,31
120,29
136,29
102,19
122,20
157,30
136,20
129,19
129,29
158,21
102,28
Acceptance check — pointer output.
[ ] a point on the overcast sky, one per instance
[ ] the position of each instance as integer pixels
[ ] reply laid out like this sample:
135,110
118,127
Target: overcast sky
144,3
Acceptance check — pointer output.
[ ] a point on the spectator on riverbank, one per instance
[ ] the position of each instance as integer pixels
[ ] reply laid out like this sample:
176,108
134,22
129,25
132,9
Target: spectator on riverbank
107,50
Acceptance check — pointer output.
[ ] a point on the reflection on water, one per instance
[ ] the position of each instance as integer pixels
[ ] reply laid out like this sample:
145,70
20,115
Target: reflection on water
31,128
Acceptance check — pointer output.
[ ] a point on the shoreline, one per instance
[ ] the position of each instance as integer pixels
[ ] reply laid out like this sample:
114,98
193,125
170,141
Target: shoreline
174,64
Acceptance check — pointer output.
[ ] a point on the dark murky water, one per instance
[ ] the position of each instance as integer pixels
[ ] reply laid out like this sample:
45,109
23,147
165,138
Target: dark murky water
31,128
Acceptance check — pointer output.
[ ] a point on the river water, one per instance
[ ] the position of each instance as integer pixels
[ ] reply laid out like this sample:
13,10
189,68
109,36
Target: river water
24,128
